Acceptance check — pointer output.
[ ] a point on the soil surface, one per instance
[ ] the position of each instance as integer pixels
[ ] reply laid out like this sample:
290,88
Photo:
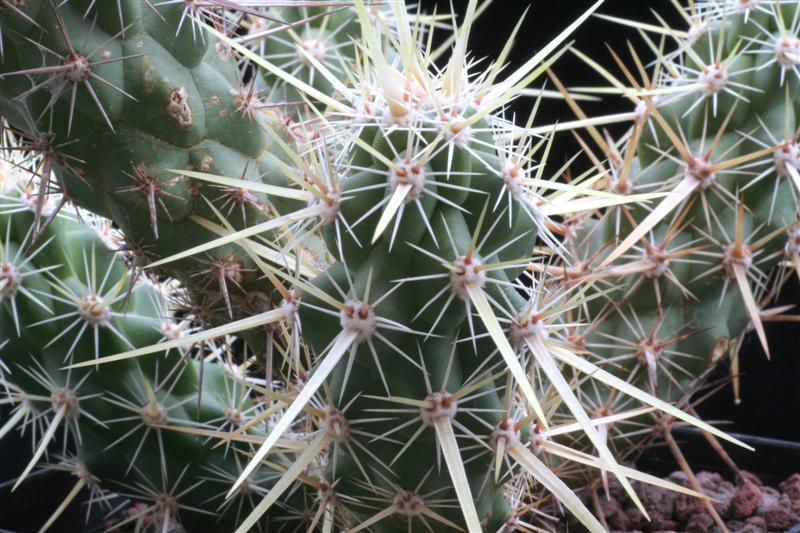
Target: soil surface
746,505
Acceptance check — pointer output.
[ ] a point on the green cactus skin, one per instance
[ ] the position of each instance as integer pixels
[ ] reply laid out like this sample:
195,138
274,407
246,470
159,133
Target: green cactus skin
189,123
323,33
379,267
170,101
192,120
106,413
676,308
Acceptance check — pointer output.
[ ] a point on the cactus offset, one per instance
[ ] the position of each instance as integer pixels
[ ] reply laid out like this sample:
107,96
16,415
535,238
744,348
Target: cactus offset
66,300
714,129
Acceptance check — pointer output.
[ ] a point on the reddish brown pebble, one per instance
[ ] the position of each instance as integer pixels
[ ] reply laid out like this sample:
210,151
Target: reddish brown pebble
755,524
699,523
658,522
746,500
656,499
791,487
613,514
686,506
636,519
718,489
779,518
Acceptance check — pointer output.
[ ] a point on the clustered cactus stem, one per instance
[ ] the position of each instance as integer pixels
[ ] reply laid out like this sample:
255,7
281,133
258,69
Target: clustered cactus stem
340,290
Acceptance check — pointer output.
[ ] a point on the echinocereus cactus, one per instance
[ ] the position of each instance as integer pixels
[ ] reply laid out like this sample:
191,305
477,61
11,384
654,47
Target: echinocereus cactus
69,298
390,253
123,95
714,130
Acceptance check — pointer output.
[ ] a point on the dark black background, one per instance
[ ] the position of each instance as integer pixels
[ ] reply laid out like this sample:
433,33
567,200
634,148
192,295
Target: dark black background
544,21
770,392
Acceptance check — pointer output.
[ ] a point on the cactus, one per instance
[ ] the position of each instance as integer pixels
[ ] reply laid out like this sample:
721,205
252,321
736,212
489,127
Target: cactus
390,252
714,129
68,298
104,68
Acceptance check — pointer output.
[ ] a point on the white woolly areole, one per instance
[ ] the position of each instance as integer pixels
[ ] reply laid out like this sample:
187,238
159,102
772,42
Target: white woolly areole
737,255
506,433
536,440
30,198
289,308
153,414
409,504
660,260
714,78
331,205
411,173
80,68
514,177
793,243
468,274
223,51
358,317
787,50
325,492
622,187
365,109
66,399
456,133
171,331
257,25
234,416
10,279
93,310
788,154
438,406
702,171
648,352
314,48
640,110
110,237
393,118
335,424
418,95
527,326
